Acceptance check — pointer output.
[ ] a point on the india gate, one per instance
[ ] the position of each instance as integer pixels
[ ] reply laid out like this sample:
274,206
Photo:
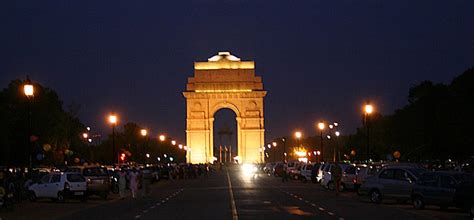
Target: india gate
224,81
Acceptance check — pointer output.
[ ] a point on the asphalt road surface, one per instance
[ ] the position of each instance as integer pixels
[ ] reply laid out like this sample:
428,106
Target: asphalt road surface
229,194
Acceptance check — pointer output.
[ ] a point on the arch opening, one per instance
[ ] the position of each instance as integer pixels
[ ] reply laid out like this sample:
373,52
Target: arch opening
225,149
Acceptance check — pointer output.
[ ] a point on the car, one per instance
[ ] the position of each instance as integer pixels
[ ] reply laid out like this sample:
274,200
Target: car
392,182
349,177
268,168
278,170
59,186
464,196
306,172
364,171
444,189
326,180
295,173
98,181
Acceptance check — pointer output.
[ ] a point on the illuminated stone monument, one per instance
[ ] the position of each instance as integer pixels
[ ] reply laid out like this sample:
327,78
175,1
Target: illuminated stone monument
224,81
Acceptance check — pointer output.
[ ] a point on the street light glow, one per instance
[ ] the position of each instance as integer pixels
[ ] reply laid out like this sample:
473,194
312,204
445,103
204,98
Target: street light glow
269,146
274,144
321,125
337,133
368,108
298,134
147,155
29,90
180,146
173,142
113,119
144,132
85,135
162,137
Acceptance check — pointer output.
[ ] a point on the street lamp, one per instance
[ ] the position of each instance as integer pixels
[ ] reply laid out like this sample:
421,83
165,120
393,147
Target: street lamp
321,127
29,91
85,135
162,137
274,150
368,109
283,139
113,122
173,142
336,146
144,134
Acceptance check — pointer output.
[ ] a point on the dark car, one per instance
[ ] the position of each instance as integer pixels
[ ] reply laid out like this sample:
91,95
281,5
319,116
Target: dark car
98,181
444,189
464,196
164,172
278,170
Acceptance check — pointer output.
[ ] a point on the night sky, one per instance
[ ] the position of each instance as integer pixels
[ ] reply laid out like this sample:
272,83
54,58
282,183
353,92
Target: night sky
318,59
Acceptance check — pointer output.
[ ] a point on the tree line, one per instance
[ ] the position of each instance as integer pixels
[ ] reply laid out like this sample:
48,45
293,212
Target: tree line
53,134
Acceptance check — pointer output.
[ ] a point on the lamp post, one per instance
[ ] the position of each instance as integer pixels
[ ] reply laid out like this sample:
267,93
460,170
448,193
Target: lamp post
336,146
29,91
113,122
283,139
274,150
321,127
298,136
144,134
368,109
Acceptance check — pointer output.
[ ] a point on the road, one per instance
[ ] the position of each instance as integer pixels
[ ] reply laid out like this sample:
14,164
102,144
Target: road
228,194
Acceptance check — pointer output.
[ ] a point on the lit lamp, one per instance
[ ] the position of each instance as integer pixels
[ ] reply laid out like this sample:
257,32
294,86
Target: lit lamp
113,122
283,139
368,109
173,142
29,91
274,150
144,134
321,127
162,137
85,135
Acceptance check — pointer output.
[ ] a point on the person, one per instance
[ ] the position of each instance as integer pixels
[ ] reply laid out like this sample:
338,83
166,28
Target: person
133,177
285,175
122,183
336,174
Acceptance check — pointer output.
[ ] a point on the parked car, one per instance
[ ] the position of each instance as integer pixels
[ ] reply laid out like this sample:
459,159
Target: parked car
444,189
349,177
306,172
295,173
268,168
326,180
364,171
392,182
464,196
98,181
278,169
59,186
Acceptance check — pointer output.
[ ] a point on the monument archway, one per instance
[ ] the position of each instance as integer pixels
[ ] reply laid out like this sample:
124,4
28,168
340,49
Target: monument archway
224,81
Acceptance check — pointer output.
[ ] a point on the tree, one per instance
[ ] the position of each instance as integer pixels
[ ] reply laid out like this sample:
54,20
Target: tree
49,123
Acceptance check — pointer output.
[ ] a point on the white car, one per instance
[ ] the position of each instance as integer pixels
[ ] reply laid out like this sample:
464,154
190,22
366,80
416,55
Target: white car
305,172
59,186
